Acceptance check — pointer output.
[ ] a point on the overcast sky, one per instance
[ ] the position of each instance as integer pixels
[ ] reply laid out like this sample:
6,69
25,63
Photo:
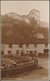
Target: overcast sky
23,7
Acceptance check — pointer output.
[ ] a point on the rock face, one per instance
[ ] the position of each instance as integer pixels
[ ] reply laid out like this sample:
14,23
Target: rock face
34,14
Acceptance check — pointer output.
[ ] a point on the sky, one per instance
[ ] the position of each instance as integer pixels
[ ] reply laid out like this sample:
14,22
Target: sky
24,7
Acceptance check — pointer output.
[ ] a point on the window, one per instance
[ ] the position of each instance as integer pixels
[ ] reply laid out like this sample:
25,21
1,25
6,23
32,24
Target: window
10,45
46,50
22,52
9,52
35,45
20,45
46,45
27,45
17,51
31,52
27,52
35,53
2,52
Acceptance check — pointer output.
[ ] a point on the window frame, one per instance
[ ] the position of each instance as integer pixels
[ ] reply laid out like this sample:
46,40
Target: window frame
10,45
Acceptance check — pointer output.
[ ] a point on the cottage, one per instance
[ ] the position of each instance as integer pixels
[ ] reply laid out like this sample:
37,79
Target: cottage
37,46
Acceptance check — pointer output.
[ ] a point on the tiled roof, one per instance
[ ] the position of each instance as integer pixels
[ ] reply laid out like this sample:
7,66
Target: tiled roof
20,41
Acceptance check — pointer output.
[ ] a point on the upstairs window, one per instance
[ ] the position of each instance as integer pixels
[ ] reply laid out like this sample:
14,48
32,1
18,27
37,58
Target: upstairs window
2,52
20,45
46,45
10,45
27,45
46,51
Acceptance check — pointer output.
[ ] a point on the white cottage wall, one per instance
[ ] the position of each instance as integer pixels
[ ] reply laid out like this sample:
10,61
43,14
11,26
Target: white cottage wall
40,48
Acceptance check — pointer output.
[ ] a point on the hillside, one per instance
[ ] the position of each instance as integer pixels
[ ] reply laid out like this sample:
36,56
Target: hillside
17,28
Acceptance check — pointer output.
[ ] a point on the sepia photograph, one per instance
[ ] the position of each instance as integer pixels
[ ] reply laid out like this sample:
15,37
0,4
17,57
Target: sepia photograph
24,40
